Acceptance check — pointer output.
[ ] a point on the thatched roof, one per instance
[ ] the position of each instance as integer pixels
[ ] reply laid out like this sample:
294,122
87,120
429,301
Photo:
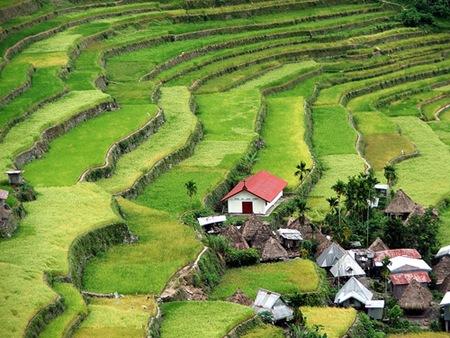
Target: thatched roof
378,245
240,298
251,227
5,213
233,234
261,236
445,286
273,251
401,204
415,297
442,269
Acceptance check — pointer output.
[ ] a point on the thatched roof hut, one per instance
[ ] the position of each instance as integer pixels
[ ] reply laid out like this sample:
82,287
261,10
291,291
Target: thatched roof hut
251,227
400,204
445,286
234,235
273,251
416,297
442,269
378,245
240,298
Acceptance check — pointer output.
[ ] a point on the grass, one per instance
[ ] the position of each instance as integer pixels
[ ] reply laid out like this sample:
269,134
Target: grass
420,335
332,133
179,124
75,307
335,322
284,139
23,135
424,178
292,276
40,244
201,319
430,109
265,331
86,146
123,317
164,246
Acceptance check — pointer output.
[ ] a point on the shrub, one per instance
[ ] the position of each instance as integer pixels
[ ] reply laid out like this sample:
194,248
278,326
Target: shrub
237,258
413,18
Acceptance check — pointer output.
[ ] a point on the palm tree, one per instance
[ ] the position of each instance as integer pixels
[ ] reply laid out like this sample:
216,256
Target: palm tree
302,208
339,188
301,171
385,270
191,189
334,204
391,175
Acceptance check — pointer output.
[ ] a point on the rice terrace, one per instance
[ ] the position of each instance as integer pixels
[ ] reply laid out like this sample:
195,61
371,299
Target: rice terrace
213,168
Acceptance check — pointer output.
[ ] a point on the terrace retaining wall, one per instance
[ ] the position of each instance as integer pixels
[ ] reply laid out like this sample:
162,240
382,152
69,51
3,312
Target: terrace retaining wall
40,147
244,327
124,146
22,8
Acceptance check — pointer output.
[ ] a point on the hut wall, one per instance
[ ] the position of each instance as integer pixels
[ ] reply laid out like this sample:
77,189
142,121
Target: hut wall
447,312
375,313
352,302
271,204
397,290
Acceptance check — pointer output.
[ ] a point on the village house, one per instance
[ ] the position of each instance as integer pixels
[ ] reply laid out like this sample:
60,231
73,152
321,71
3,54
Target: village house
416,299
445,304
257,194
256,233
406,264
380,255
353,294
273,251
271,302
211,224
378,245
402,206
364,258
400,281
15,177
375,309
235,236
330,255
382,189
346,267
290,238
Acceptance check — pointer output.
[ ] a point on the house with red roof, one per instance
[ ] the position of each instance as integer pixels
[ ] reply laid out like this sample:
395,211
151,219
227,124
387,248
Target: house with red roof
256,194
400,281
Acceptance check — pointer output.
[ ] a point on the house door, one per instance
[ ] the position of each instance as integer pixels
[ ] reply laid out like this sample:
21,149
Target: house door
247,207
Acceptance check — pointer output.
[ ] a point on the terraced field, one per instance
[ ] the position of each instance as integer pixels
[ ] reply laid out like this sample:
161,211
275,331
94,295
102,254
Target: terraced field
111,107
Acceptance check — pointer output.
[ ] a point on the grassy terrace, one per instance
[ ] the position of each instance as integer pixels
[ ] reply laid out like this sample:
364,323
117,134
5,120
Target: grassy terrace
202,319
335,322
283,277
265,331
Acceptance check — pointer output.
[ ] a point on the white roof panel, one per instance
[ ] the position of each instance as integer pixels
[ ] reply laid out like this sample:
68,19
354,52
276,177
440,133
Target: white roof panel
381,186
404,264
290,234
211,219
346,266
330,255
353,289
446,299
375,304
445,250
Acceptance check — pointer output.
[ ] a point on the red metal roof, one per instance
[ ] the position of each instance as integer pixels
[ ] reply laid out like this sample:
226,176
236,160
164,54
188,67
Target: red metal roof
406,278
411,253
263,185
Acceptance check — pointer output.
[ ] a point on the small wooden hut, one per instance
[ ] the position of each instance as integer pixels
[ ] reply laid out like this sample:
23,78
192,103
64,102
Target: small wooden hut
416,299
234,235
240,298
378,245
251,227
273,251
402,206
15,177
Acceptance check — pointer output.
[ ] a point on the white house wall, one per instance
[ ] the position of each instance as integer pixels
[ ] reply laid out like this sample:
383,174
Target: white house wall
270,205
235,203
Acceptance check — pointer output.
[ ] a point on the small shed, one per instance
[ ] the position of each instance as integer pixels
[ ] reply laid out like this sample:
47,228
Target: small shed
15,177
271,302
375,309
353,294
290,238
257,194
273,251
330,255
346,266
208,223
382,189
445,304
3,197
444,251
234,235
416,299
378,245
400,281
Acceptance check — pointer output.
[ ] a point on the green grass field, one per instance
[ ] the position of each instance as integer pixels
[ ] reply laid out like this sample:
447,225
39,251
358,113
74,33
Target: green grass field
335,322
283,277
202,319
265,331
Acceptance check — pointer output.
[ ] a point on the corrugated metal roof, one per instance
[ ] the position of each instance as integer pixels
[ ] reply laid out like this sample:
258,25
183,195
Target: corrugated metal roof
407,277
211,219
291,234
375,304
330,255
446,299
353,289
272,302
266,299
379,255
3,194
263,185
445,250
346,266
406,264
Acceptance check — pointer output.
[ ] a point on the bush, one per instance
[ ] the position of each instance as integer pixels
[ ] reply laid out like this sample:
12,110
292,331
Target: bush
237,258
413,18
365,327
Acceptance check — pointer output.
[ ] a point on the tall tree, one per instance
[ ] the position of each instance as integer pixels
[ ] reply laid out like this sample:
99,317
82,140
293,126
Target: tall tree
301,207
191,189
390,174
333,202
301,171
